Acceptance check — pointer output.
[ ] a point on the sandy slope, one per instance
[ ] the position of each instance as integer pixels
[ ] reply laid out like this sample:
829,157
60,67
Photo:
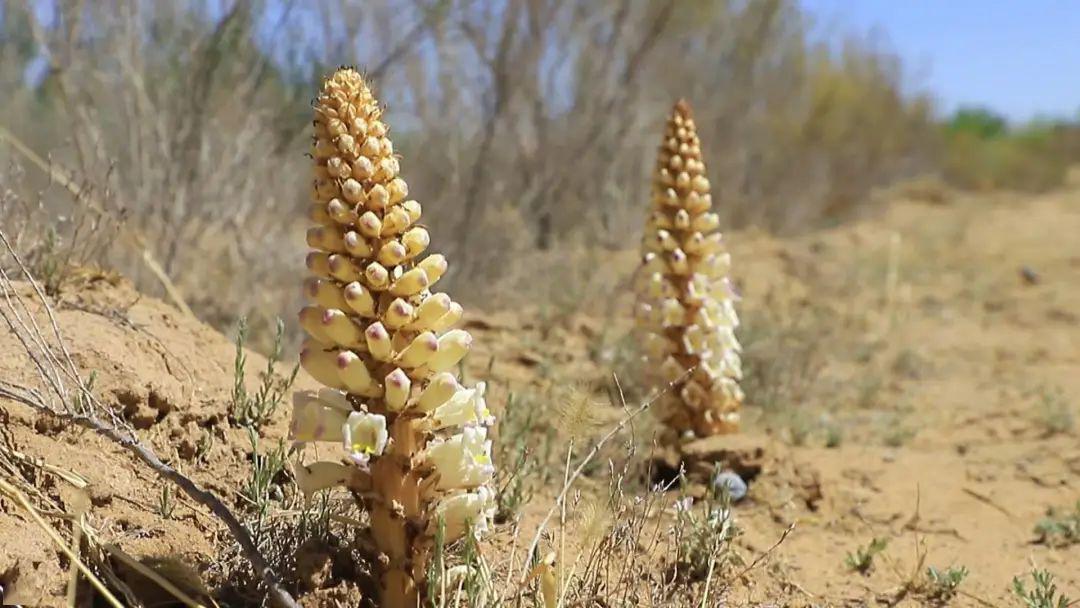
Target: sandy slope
924,355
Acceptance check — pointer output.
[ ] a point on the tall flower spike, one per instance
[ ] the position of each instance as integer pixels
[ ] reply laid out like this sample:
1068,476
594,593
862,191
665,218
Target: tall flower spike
386,345
686,310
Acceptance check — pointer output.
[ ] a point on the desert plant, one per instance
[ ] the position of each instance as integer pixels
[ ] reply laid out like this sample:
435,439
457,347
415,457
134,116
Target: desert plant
418,457
686,307
942,585
704,539
1043,594
1060,527
863,558
254,410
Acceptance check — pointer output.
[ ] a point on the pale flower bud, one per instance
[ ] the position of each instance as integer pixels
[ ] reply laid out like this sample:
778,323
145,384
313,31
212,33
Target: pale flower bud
410,283
343,268
419,351
359,299
398,314
453,346
321,365
439,389
378,341
392,254
416,240
354,374
377,276
449,319
433,266
356,245
397,386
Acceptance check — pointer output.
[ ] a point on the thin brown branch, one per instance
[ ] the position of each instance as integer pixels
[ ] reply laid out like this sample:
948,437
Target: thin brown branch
51,366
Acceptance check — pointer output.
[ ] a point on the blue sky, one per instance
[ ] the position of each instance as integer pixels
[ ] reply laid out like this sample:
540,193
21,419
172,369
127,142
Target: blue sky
1018,57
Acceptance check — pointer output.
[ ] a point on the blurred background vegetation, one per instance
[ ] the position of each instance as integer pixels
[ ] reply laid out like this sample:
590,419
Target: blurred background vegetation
171,136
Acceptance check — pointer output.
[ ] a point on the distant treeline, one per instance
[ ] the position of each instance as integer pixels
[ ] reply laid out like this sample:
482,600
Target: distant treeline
526,127
983,151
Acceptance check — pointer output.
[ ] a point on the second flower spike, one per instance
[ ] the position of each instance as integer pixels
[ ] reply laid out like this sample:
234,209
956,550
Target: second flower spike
686,312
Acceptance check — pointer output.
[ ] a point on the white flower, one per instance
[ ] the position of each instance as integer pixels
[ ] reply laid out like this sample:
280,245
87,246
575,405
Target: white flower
365,436
459,512
462,461
318,417
465,408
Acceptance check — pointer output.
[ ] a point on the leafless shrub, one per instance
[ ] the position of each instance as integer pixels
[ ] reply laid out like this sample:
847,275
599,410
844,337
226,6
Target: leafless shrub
190,118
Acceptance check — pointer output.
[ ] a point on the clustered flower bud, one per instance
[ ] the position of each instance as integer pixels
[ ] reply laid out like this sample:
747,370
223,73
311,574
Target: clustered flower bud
415,446
686,303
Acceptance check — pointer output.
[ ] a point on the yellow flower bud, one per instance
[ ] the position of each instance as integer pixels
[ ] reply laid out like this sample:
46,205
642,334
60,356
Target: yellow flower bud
678,262
377,276
378,198
324,292
395,221
398,314
325,238
343,268
419,351
433,266
370,148
397,190
363,168
353,191
681,219
354,374
359,299
337,167
356,245
416,240
413,209
449,319
310,318
438,391
318,214
706,222
410,283
369,224
340,329
321,365
392,253
318,263
340,212
346,144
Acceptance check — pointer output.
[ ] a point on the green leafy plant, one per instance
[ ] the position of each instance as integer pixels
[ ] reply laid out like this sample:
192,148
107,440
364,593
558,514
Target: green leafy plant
166,502
254,410
1044,594
704,534
1053,413
265,468
1060,528
863,559
942,585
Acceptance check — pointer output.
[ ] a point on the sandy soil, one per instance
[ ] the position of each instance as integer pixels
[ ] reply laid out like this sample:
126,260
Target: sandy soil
935,351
